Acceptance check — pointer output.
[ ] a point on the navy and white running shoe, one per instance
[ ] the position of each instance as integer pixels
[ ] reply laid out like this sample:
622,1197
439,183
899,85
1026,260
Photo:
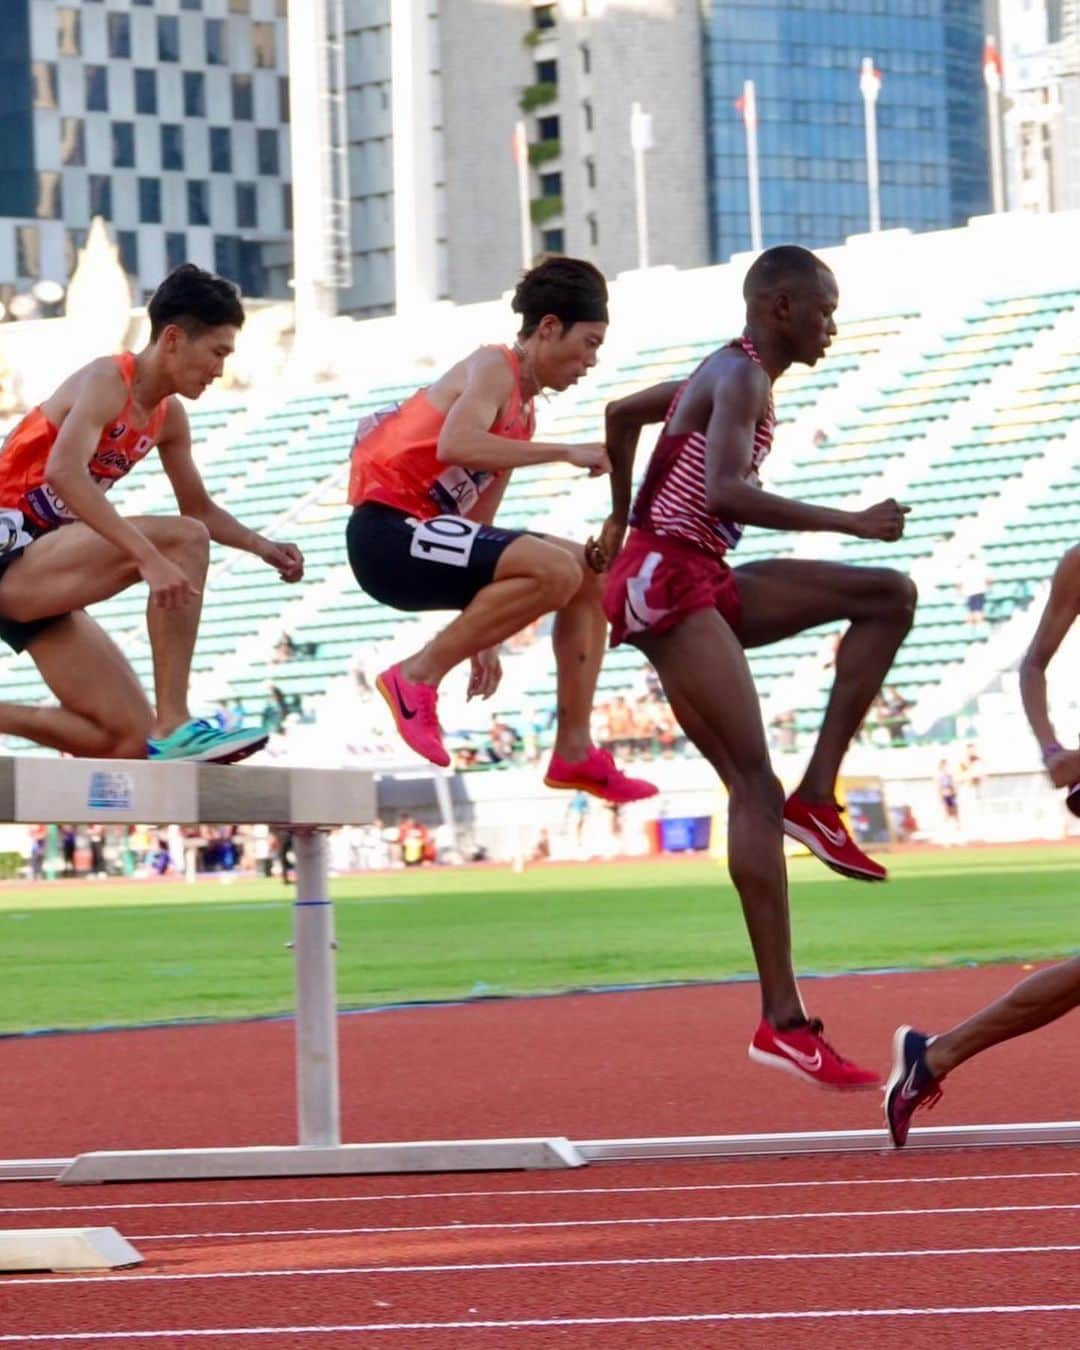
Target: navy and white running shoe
910,1085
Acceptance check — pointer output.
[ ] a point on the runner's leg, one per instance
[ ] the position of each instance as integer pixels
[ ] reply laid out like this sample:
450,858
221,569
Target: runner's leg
707,681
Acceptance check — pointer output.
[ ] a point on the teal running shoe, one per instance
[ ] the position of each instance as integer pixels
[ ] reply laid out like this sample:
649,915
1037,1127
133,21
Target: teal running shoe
205,743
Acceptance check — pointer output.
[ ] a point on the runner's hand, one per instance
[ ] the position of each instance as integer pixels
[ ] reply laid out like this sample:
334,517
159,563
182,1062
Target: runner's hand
601,553
593,457
286,558
884,521
485,674
1064,768
169,586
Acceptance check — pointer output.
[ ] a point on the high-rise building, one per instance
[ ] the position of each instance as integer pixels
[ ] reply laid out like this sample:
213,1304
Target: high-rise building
804,57
168,118
434,98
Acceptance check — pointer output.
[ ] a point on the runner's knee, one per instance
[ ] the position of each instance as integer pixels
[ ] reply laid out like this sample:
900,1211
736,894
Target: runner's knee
898,593
760,791
183,535
559,578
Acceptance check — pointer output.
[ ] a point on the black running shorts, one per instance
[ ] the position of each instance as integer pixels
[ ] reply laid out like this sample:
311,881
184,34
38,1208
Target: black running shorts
413,564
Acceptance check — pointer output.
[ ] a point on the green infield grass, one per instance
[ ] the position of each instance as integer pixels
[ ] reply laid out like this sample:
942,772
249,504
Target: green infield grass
93,954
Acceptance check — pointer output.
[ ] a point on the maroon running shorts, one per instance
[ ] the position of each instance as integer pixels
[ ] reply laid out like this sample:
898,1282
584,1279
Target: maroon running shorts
656,582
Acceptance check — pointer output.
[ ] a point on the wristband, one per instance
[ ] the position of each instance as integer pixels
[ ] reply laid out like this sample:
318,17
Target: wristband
1050,750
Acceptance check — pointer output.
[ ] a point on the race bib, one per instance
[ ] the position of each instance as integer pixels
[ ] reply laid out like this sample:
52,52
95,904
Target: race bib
12,532
457,490
444,539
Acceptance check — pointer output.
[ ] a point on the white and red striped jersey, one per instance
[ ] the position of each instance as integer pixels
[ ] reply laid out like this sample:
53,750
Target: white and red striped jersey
673,499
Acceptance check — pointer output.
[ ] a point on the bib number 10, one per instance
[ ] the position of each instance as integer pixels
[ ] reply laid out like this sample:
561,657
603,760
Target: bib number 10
445,539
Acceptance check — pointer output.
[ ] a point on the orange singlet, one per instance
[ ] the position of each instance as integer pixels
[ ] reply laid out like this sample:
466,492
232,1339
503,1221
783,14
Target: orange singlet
26,450
395,455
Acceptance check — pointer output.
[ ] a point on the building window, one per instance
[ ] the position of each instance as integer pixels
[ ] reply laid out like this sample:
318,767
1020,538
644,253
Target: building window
553,241
548,128
123,145
217,45
286,206
590,172
594,230
191,4
44,77
128,243
243,103
168,37
72,141
220,150
175,249
543,17
551,185
194,93
239,6
247,215
68,32
27,251
97,89
172,145
100,195
586,58
74,240
150,201
283,99
119,35
267,150
198,202
264,44
547,72
587,114
146,91
49,199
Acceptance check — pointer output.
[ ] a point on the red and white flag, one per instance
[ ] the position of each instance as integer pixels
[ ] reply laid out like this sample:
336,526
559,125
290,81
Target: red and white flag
992,67
870,79
746,104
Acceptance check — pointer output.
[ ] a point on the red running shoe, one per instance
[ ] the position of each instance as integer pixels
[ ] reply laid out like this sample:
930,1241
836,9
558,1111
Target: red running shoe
804,1052
599,775
820,828
414,708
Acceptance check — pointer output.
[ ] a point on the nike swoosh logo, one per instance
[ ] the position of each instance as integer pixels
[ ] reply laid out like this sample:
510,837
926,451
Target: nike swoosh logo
835,837
406,712
908,1090
810,1062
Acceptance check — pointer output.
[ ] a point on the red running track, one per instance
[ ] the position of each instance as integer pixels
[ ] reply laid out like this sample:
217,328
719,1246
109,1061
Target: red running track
826,1251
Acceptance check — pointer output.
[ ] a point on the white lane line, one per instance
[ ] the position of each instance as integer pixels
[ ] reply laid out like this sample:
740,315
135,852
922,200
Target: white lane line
456,1268
603,1223
554,1190
522,1323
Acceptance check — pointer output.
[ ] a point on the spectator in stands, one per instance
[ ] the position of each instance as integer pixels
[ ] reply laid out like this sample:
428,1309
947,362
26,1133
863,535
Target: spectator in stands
275,710
946,786
284,649
974,584
38,835
96,838
621,728
894,716
785,726
283,844
503,741
542,848
68,842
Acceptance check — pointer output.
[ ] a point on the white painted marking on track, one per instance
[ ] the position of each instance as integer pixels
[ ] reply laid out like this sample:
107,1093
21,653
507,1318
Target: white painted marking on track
603,1223
518,1192
455,1268
659,1319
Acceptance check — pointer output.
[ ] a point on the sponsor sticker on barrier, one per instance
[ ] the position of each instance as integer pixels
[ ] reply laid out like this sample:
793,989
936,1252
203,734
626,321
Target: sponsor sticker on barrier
111,790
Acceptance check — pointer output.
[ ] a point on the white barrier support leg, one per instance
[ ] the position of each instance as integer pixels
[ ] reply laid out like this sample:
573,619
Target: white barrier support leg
317,1093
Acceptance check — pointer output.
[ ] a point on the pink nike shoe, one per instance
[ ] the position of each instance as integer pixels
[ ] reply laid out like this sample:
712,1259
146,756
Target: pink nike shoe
804,1052
415,712
599,775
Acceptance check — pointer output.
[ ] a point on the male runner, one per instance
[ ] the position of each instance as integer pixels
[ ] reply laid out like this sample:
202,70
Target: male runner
426,481
671,593
63,546
921,1062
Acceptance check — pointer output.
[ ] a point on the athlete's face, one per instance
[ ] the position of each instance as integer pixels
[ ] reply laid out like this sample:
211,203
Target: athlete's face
810,310
565,355
195,362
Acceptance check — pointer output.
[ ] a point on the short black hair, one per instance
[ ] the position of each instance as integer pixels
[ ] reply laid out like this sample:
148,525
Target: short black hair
782,265
194,300
570,288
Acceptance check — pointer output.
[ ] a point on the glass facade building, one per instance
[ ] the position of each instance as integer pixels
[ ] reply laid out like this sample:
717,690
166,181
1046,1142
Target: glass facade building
804,57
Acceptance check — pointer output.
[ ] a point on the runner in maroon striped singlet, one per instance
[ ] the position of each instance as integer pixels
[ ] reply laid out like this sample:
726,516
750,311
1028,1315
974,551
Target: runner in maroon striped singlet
671,593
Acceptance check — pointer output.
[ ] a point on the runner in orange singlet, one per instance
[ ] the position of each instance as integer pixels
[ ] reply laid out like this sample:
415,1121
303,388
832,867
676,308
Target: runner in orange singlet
63,546
427,479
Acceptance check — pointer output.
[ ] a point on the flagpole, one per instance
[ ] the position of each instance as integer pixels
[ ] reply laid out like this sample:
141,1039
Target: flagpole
749,112
870,85
992,77
521,157
640,141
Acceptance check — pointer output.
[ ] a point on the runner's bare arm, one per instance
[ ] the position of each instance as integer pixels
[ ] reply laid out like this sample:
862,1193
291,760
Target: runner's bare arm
192,498
1057,618
466,440
739,399
100,400
623,421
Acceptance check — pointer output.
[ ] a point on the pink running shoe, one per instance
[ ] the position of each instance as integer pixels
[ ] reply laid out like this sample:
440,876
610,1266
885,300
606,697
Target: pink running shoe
820,828
804,1052
599,775
414,709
